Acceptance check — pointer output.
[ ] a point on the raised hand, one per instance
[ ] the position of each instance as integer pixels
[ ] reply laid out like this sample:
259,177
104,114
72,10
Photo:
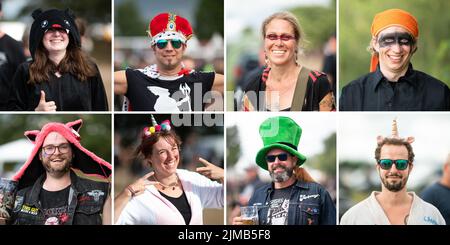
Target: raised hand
210,170
44,105
138,187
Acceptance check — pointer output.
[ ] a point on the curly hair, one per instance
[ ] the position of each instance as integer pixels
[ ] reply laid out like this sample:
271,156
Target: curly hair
395,141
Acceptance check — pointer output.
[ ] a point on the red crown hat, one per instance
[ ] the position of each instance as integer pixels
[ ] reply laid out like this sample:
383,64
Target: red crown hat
169,26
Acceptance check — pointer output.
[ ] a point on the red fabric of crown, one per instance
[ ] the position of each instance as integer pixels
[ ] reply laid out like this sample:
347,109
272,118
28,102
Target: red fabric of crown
169,26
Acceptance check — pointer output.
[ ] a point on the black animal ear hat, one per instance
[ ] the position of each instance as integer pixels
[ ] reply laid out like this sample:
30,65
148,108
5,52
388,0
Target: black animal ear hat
53,18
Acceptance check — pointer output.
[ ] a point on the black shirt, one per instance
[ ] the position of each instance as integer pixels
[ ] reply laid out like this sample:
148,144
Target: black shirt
55,205
185,93
415,91
83,199
68,93
181,203
11,56
279,206
316,89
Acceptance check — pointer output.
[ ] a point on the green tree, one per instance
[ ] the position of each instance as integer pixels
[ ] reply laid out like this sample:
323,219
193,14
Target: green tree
318,24
208,19
326,160
233,145
128,21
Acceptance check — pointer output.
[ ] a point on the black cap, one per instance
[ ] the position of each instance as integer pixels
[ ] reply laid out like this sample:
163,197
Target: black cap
53,18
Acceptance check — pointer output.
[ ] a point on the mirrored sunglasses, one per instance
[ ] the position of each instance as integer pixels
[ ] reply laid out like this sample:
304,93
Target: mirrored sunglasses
400,164
176,43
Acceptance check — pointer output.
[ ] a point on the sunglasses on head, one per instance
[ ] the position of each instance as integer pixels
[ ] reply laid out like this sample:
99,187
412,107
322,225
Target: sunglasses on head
281,157
176,43
400,164
282,37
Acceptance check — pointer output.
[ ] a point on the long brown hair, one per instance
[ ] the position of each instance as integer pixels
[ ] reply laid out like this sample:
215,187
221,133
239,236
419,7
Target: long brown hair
302,175
75,62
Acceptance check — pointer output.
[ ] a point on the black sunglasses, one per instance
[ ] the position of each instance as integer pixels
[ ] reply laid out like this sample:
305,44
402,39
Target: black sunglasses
176,43
281,157
400,164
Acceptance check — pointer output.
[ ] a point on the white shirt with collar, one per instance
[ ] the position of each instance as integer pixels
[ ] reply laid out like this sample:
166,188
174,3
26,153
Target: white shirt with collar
370,212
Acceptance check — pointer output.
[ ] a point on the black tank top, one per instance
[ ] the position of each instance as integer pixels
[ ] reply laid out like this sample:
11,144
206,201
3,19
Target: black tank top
181,204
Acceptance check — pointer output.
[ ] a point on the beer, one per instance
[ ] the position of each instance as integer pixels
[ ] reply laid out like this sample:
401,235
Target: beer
249,215
249,221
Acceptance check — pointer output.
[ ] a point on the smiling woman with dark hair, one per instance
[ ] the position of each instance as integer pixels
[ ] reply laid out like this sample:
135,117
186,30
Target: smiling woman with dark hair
61,77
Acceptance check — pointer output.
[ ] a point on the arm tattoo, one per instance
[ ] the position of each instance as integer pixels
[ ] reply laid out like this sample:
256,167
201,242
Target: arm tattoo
327,102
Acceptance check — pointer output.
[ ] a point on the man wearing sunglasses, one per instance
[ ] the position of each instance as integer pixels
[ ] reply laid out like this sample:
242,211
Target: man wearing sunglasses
293,198
393,84
191,90
394,205
50,192
438,193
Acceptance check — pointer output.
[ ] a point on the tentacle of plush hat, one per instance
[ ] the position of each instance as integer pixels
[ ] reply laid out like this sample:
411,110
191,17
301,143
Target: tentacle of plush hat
84,160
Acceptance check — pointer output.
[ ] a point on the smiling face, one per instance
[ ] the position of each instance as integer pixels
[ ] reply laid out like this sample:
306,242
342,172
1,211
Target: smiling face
165,156
281,170
55,40
395,47
393,179
280,52
169,57
58,163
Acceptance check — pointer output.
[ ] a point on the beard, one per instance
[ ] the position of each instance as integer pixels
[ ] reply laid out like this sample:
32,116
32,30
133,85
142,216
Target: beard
394,185
57,170
281,176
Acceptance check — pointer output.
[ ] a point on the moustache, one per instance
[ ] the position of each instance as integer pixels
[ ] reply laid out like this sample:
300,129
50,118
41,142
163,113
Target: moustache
279,166
394,175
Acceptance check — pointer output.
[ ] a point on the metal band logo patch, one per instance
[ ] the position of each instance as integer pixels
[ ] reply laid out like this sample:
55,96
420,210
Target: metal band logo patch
96,194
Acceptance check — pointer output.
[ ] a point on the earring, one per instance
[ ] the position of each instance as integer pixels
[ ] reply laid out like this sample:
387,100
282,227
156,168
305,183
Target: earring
296,57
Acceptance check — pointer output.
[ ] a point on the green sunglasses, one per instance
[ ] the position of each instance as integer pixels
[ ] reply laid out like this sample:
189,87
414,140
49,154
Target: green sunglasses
176,43
400,164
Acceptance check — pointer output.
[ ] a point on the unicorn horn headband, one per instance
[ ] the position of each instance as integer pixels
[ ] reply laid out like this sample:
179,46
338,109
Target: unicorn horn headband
164,126
394,134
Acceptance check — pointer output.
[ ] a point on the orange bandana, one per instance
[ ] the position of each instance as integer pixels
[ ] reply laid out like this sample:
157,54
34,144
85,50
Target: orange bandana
388,18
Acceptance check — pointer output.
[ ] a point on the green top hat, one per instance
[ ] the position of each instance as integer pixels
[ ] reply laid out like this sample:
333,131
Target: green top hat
282,133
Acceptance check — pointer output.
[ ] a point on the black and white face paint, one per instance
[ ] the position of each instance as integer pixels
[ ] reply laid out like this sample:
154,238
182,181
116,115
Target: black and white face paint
400,38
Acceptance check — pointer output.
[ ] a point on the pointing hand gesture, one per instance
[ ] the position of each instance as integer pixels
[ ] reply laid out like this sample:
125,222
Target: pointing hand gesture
210,170
44,105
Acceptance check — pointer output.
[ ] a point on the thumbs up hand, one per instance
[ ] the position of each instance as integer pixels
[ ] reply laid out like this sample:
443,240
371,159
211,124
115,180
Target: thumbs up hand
44,105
